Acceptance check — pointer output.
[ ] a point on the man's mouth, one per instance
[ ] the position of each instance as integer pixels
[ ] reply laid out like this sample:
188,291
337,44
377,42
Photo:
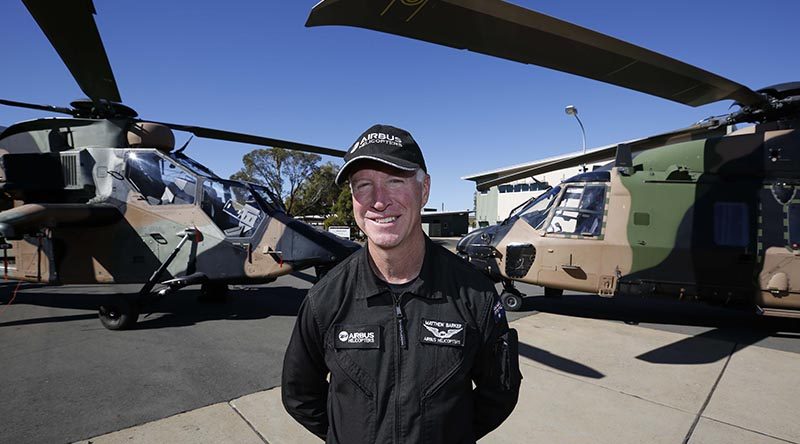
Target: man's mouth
385,220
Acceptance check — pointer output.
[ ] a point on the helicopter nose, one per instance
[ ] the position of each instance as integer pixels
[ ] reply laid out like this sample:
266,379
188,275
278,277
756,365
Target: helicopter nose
305,246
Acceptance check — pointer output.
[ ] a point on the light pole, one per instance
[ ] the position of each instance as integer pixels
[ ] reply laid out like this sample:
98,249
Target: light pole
572,111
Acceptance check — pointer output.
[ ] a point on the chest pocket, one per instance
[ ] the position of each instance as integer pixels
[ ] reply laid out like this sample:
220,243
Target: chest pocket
354,354
446,346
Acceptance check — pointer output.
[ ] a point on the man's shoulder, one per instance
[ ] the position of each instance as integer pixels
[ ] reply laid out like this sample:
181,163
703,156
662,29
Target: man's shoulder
328,293
464,273
338,273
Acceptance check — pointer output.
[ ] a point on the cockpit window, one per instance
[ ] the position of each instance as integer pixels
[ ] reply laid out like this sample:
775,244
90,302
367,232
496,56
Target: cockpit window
580,211
159,180
193,165
269,197
535,212
232,207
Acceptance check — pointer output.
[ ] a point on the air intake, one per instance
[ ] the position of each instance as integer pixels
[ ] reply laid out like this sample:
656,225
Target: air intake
69,167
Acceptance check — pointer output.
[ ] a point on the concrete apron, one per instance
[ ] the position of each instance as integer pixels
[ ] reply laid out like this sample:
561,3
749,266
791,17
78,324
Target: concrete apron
585,381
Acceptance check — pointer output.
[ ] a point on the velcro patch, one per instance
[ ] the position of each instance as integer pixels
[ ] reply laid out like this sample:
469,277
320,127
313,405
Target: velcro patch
442,333
357,336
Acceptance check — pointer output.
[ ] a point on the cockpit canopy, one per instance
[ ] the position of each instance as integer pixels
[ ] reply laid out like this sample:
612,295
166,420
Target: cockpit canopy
237,208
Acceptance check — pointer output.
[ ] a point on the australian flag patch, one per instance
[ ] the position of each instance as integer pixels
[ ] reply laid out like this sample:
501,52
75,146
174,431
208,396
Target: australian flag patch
498,312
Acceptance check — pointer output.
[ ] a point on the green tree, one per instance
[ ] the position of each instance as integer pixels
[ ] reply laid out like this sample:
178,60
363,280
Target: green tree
317,195
282,171
342,210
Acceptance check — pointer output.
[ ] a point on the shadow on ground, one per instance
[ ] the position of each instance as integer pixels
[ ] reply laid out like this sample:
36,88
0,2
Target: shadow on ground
726,330
544,357
177,310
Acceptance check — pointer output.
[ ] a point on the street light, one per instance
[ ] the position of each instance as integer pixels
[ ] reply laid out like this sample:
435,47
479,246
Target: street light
572,111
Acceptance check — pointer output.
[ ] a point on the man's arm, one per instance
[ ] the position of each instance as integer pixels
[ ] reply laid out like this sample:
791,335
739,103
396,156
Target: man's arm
304,385
496,373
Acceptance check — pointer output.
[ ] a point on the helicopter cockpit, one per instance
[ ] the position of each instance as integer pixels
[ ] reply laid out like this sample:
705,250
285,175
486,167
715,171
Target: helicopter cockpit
236,208
535,211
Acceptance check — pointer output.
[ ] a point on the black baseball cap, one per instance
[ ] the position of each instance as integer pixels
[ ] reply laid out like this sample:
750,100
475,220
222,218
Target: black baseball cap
386,144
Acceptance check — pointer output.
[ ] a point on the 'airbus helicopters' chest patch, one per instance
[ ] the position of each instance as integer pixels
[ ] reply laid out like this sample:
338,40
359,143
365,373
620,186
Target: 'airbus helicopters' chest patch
442,333
357,336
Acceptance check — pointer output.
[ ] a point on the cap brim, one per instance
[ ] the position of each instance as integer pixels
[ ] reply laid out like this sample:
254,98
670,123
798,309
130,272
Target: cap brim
392,162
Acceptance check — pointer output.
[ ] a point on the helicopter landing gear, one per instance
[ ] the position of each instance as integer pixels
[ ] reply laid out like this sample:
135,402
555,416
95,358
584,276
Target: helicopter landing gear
213,293
119,313
511,298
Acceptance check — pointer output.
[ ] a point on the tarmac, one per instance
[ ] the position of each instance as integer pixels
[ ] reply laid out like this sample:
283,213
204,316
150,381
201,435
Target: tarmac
585,381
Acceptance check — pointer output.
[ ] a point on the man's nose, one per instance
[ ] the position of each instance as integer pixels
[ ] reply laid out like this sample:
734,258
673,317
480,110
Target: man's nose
381,198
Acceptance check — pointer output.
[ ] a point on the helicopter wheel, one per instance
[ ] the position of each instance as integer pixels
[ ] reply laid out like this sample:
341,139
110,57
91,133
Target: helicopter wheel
213,292
553,292
511,301
119,314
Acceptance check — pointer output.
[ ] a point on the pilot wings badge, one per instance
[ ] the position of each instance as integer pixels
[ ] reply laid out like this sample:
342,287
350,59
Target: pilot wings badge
442,333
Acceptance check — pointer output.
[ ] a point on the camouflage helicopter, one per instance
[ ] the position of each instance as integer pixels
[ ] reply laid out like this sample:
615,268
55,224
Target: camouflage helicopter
701,213
103,197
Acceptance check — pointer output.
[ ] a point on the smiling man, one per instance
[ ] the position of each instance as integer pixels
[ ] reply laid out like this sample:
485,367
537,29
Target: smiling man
403,342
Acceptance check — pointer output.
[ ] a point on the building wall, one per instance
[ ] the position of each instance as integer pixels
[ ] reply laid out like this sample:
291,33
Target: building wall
446,225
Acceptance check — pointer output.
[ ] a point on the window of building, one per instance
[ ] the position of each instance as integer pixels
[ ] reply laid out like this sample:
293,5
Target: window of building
580,211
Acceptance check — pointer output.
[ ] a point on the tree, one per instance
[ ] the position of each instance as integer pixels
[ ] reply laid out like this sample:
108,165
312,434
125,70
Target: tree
342,210
282,171
317,195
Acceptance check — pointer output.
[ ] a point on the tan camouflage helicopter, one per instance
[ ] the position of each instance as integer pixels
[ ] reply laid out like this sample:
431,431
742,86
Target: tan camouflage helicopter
103,197
703,212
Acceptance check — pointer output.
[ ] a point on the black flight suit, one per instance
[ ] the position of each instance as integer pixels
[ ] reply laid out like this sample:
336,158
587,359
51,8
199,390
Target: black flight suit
402,366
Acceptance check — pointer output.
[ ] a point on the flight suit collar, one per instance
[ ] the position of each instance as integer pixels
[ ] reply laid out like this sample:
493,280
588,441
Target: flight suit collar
371,285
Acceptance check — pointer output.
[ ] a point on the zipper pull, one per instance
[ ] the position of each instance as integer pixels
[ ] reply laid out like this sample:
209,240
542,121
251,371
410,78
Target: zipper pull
398,314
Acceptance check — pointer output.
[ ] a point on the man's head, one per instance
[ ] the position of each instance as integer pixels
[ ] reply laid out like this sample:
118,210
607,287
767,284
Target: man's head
390,185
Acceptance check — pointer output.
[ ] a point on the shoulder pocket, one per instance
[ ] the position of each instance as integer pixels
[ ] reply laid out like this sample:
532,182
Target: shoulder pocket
507,351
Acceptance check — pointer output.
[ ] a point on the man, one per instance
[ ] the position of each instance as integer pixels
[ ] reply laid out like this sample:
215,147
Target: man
388,344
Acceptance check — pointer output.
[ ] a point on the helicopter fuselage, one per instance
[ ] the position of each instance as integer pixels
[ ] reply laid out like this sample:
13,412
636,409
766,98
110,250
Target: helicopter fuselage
714,219
101,214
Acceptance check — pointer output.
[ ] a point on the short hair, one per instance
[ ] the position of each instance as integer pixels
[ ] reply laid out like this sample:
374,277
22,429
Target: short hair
420,175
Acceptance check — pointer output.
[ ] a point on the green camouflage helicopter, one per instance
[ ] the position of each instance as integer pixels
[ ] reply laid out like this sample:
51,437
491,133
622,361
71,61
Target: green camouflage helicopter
103,197
703,212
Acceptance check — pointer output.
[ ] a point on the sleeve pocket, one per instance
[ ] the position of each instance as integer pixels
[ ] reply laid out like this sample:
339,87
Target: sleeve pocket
508,356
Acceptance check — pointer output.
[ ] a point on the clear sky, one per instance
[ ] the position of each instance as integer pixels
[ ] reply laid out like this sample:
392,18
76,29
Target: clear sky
252,66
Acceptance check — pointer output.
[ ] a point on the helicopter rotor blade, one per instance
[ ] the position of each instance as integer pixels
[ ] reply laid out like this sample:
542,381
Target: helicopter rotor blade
50,108
210,133
704,130
508,31
71,29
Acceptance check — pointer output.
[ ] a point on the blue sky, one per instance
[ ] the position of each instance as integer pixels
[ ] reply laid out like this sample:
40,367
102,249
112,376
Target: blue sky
252,66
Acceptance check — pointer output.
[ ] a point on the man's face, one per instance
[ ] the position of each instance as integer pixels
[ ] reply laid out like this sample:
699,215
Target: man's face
387,203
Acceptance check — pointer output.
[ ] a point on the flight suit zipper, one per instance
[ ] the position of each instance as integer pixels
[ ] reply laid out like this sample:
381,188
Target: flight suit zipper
401,343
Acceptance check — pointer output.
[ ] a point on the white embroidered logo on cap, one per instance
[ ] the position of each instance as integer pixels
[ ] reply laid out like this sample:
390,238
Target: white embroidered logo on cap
377,138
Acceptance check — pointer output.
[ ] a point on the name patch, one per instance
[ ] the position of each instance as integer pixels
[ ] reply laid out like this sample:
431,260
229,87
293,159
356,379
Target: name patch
357,336
442,333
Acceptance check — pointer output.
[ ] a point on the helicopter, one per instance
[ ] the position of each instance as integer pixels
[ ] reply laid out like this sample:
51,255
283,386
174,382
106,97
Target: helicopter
103,197
704,212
